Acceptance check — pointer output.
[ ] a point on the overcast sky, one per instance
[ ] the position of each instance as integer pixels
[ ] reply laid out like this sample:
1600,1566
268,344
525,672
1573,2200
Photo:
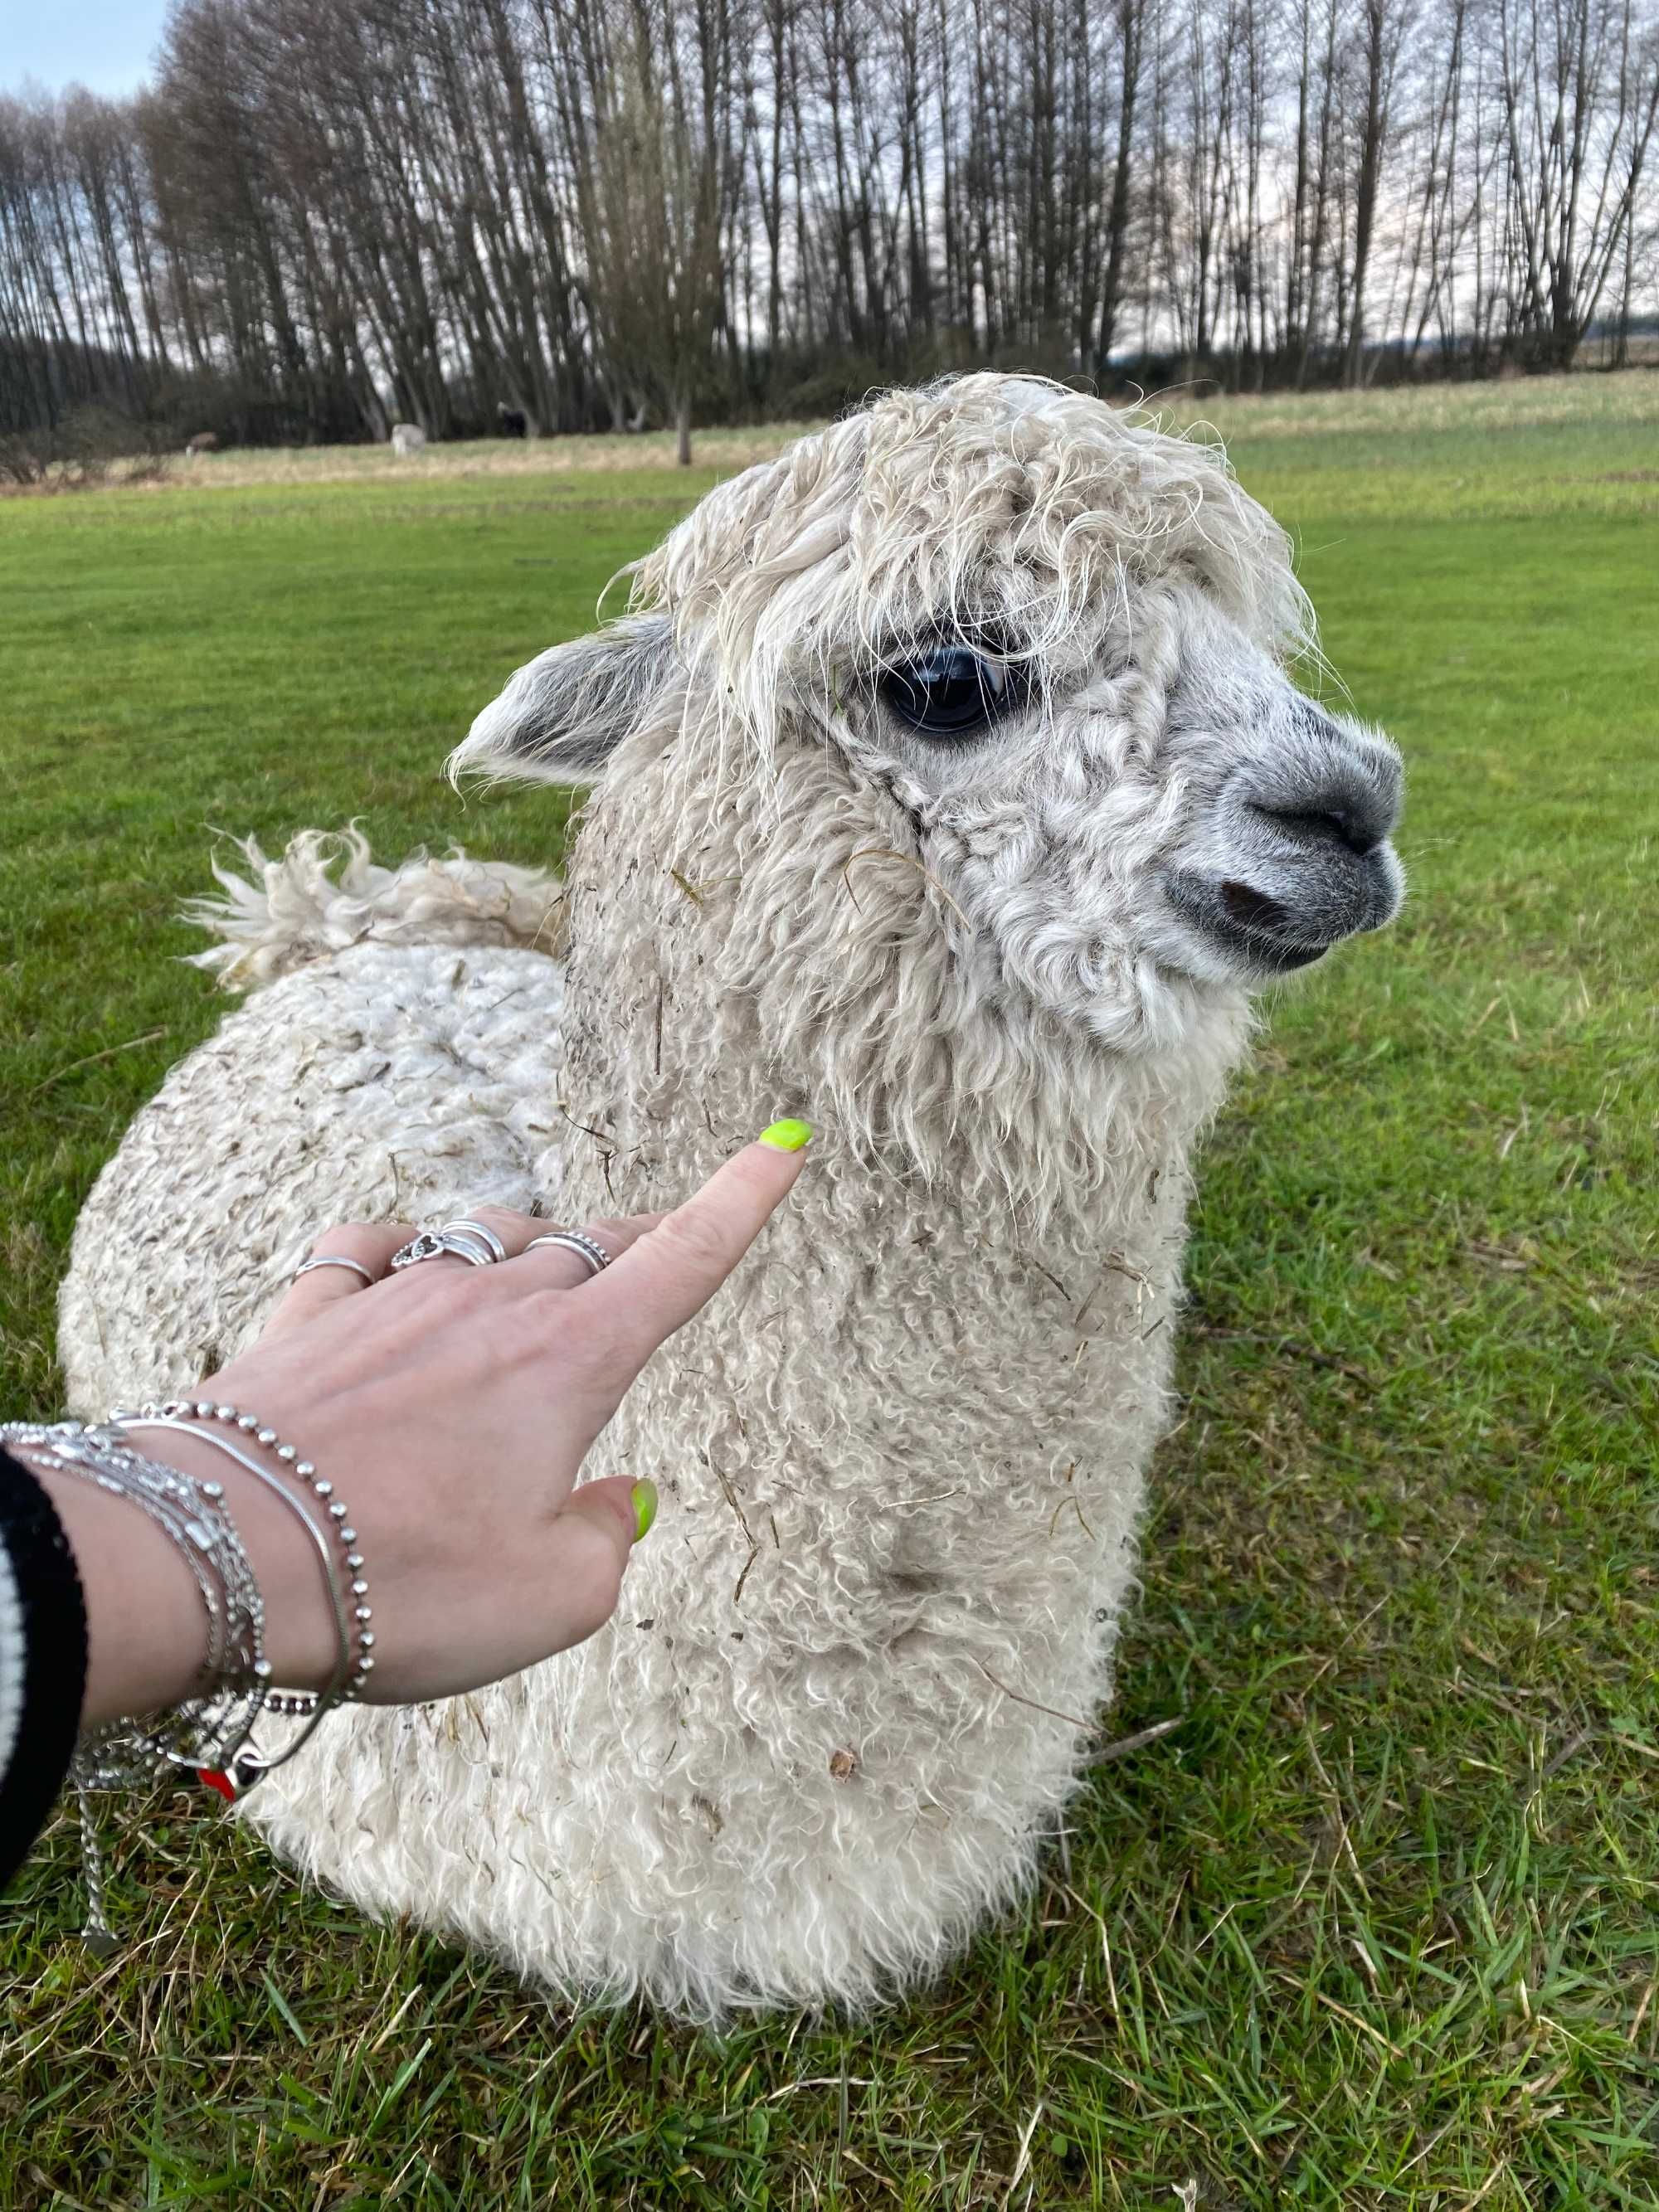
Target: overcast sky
105,44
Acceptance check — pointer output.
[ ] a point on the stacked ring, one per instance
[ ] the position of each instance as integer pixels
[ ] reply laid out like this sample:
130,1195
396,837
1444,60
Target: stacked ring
464,1239
477,1243
578,1241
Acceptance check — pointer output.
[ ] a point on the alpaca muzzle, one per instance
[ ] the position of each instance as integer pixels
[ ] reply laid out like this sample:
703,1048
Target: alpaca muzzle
1296,855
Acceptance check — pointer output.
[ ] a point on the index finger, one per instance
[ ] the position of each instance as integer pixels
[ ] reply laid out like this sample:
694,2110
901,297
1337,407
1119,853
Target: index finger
674,1269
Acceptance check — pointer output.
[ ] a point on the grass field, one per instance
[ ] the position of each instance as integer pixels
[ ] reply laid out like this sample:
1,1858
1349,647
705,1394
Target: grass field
1378,1925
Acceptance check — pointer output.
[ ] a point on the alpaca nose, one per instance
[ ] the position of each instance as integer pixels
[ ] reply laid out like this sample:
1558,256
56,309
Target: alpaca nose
1332,791
1295,854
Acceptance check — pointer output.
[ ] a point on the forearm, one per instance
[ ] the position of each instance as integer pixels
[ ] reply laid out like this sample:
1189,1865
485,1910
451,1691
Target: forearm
145,1638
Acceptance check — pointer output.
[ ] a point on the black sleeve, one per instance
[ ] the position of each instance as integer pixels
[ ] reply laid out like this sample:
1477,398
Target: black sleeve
43,1660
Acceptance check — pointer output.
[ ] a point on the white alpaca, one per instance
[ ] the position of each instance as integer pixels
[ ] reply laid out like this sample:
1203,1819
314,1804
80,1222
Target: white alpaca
950,792
407,440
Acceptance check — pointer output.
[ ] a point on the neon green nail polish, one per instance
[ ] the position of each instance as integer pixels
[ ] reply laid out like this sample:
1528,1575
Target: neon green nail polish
644,1495
787,1136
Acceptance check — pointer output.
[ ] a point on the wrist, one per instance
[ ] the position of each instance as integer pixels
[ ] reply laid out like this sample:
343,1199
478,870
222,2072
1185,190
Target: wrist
301,1637
147,1636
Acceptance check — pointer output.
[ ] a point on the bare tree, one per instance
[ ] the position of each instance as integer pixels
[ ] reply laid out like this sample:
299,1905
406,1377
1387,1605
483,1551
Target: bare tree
325,215
663,173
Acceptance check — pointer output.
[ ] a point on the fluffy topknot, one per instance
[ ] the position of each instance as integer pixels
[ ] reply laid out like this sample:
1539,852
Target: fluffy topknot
975,497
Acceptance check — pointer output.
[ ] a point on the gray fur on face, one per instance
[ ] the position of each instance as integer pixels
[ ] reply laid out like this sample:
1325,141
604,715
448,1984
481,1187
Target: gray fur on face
1221,826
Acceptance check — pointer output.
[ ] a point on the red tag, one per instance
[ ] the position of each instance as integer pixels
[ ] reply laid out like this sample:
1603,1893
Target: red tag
214,1780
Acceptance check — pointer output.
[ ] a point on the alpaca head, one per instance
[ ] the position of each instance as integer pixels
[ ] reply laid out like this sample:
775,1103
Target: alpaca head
1021,659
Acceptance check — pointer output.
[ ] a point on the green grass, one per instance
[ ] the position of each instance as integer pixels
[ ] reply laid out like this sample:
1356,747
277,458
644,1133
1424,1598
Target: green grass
1378,1925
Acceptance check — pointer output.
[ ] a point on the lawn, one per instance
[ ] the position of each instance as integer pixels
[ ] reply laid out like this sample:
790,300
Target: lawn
1378,1924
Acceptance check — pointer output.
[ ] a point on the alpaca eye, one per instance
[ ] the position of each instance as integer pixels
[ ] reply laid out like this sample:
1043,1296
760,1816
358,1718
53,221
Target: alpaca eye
950,691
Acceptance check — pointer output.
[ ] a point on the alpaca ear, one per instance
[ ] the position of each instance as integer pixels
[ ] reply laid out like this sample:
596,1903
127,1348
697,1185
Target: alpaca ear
564,714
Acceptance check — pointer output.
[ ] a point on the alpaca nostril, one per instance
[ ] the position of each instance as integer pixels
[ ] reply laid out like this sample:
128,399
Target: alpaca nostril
1253,909
1328,824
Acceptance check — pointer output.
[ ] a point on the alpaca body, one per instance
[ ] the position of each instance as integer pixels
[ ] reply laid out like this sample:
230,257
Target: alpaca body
952,792
811,1749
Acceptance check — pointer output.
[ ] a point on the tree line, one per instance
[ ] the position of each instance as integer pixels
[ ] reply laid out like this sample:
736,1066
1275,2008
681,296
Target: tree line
322,216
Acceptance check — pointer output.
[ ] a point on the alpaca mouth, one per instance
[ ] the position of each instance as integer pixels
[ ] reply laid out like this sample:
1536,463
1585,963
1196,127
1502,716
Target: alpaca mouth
1251,929
1254,911
1261,929
1296,855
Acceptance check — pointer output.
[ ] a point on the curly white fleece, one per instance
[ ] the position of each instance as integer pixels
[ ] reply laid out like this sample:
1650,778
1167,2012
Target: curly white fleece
857,1668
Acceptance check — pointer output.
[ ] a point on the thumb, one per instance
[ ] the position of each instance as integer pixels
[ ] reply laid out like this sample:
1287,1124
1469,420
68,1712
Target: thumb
621,1509
593,1534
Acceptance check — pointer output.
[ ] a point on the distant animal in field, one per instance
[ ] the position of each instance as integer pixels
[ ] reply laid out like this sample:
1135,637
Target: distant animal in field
513,421
204,441
407,438
953,792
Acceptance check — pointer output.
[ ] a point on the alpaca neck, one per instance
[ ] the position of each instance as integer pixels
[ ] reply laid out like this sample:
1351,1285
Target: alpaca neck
715,981
970,1290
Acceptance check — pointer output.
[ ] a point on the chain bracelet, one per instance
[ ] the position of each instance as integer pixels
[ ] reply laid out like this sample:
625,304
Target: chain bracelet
209,1735
289,1701
204,1410
201,1731
250,1763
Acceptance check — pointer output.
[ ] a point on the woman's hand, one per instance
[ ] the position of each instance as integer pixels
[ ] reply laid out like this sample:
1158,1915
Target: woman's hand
451,1406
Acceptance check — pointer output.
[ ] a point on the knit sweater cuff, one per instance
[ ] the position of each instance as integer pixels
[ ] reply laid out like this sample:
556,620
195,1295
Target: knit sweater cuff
43,1660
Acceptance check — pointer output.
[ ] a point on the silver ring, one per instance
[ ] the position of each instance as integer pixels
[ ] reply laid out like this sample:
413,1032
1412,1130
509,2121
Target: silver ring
486,1236
435,1243
331,1259
466,1244
578,1241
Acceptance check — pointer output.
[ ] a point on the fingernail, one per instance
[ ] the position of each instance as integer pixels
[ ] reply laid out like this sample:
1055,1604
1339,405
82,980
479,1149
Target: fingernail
644,1495
787,1136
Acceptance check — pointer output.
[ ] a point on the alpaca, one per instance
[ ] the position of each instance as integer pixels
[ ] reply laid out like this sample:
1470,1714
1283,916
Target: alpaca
950,791
407,440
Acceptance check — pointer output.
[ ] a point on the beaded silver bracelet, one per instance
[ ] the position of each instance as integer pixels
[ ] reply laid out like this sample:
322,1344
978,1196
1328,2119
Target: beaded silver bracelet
310,1705
362,1613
